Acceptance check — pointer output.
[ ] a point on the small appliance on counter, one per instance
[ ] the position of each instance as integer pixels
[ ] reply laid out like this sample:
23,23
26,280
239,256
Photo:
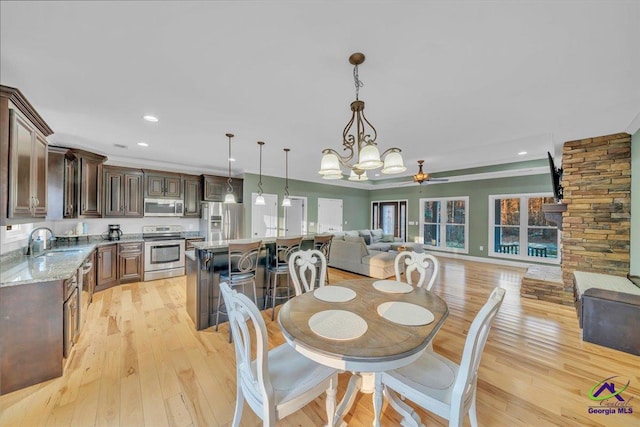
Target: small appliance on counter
114,232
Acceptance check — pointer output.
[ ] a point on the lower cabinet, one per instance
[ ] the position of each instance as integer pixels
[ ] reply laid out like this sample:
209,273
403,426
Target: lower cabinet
130,262
107,267
119,263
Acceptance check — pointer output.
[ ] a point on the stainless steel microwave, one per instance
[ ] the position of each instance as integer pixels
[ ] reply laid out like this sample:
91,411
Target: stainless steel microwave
163,207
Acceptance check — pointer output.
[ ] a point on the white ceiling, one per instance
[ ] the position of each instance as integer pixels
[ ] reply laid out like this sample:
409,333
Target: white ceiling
458,84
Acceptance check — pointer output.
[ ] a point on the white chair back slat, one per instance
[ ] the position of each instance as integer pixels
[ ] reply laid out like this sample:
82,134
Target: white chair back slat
303,266
414,261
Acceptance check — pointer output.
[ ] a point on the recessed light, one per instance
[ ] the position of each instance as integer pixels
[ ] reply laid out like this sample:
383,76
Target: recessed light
231,159
522,153
143,144
149,118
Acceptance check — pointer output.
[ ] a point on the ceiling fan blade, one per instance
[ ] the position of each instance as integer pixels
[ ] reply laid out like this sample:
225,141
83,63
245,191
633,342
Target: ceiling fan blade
438,179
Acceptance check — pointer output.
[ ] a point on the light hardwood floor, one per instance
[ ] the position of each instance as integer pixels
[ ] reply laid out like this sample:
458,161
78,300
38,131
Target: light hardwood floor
139,361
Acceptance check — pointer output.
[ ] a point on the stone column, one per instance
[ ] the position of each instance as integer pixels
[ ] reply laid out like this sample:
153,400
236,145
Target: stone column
597,190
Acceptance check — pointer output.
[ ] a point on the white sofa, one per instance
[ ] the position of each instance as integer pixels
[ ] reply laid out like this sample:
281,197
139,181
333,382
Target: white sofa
351,254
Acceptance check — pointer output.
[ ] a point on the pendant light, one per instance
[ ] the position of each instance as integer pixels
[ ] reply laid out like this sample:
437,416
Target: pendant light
260,198
229,197
286,202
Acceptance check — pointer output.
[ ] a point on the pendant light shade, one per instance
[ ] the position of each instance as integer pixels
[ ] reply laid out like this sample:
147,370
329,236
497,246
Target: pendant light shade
260,198
393,163
229,197
369,158
286,202
330,165
355,177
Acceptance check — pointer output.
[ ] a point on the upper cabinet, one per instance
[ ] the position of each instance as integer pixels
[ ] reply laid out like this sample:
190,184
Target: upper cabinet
23,147
162,185
192,195
83,184
123,192
215,188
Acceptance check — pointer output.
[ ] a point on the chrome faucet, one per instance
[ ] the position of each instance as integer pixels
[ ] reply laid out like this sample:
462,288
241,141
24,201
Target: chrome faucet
30,241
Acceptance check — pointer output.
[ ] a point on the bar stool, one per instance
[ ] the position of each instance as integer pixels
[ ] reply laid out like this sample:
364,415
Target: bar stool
242,266
322,243
280,265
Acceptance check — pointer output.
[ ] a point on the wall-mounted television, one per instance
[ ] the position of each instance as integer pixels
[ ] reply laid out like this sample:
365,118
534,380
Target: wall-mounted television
556,175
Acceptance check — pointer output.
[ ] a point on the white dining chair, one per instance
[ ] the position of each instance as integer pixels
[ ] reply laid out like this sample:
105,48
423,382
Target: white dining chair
277,382
303,268
436,383
415,261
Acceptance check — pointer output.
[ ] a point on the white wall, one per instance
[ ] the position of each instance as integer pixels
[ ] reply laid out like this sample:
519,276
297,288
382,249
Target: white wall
96,226
635,204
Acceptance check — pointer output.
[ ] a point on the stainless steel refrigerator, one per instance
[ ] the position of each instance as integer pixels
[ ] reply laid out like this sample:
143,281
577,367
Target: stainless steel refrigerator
222,221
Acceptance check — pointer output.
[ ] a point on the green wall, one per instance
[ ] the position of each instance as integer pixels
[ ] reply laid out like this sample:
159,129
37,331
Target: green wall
478,193
635,204
357,202
355,205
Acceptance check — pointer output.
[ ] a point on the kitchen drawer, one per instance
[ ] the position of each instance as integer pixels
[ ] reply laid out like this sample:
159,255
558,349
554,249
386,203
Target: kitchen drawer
130,247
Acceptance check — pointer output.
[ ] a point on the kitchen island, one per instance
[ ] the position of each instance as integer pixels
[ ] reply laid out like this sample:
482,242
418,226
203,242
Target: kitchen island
203,276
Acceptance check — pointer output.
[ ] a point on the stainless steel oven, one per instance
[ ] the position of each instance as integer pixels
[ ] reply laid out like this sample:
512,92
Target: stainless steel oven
163,252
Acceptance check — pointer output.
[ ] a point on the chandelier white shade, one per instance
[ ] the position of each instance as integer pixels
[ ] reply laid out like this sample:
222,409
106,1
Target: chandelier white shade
393,163
260,201
330,165
286,202
359,142
355,177
369,158
229,198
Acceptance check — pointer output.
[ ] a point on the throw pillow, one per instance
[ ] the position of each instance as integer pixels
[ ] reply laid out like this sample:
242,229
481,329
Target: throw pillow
366,235
387,238
351,233
376,235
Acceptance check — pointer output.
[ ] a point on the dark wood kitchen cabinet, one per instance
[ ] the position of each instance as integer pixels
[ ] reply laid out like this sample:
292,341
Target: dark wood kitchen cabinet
83,184
162,185
23,156
192,195
131,262
31,334
107,267
123,192
215,188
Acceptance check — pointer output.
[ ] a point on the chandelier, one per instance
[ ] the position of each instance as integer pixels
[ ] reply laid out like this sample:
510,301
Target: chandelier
359,132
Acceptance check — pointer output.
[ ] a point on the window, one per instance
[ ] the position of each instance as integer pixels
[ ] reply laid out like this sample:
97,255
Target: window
444,223
518,228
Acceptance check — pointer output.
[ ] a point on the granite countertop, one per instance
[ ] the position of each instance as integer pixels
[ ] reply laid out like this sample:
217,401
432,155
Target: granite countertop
224,244
59,263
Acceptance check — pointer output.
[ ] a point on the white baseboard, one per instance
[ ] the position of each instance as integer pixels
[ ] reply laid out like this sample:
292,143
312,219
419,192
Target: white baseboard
482,259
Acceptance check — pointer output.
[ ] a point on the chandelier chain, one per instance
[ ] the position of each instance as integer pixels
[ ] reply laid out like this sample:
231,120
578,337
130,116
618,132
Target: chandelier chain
357,81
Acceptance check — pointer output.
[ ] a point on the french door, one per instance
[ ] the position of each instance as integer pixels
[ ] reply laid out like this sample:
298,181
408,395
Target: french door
390,216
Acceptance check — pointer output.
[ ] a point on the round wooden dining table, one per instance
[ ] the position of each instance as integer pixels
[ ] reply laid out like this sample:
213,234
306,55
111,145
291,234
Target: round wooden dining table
384,346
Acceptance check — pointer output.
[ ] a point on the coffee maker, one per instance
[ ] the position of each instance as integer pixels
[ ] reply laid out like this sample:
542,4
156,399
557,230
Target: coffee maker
114,232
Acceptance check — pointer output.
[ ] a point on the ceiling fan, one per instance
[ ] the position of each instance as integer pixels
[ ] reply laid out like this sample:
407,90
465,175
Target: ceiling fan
421,177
